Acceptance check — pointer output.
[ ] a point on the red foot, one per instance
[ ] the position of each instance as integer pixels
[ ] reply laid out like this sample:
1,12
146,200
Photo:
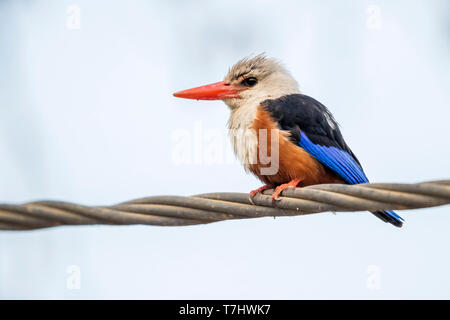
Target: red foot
291,184
260,189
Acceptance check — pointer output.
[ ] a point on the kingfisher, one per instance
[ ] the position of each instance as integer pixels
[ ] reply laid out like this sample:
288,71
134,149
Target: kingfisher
267,110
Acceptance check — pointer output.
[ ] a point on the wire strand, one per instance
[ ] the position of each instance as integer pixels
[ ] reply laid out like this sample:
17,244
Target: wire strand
213,207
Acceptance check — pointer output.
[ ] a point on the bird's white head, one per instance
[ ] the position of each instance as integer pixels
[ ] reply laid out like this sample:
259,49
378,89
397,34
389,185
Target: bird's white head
249,81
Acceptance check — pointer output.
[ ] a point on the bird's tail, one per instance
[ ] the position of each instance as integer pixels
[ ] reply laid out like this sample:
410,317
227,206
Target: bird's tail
389,216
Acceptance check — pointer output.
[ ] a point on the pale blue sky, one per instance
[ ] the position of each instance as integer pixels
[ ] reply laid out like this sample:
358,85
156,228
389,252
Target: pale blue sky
87,115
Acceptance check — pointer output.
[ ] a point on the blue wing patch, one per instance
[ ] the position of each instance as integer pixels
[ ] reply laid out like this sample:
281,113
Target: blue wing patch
336,159
340,161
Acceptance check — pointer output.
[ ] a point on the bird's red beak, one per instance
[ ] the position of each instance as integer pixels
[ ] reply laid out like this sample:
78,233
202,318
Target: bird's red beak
214,91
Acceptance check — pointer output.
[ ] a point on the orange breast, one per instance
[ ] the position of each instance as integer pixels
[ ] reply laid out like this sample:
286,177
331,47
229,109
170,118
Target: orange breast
293,161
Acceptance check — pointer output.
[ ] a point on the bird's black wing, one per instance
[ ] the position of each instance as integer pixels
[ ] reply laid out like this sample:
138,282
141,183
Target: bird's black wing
312,127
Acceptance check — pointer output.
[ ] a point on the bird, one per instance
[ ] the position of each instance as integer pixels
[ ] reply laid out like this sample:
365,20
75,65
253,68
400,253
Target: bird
267,109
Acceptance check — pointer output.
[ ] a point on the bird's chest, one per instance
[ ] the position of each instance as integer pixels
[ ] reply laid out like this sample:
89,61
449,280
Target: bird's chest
254,136
243,135
267,151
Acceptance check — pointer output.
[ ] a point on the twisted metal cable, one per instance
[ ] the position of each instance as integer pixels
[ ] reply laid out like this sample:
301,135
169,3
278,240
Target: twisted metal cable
212,207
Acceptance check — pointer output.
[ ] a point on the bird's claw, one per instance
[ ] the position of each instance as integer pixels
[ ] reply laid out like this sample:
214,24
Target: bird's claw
275,199
253,193
276,195
278,190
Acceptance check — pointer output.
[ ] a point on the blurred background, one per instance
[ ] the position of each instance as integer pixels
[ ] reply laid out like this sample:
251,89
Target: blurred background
87,115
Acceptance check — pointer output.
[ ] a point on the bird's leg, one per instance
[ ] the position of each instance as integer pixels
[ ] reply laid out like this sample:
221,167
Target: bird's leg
291,184
260,189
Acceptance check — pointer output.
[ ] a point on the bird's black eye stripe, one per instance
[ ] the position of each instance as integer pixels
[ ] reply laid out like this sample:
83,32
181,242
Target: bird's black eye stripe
249,82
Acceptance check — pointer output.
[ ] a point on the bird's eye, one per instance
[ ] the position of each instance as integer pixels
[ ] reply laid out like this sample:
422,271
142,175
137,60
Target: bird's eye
249,82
